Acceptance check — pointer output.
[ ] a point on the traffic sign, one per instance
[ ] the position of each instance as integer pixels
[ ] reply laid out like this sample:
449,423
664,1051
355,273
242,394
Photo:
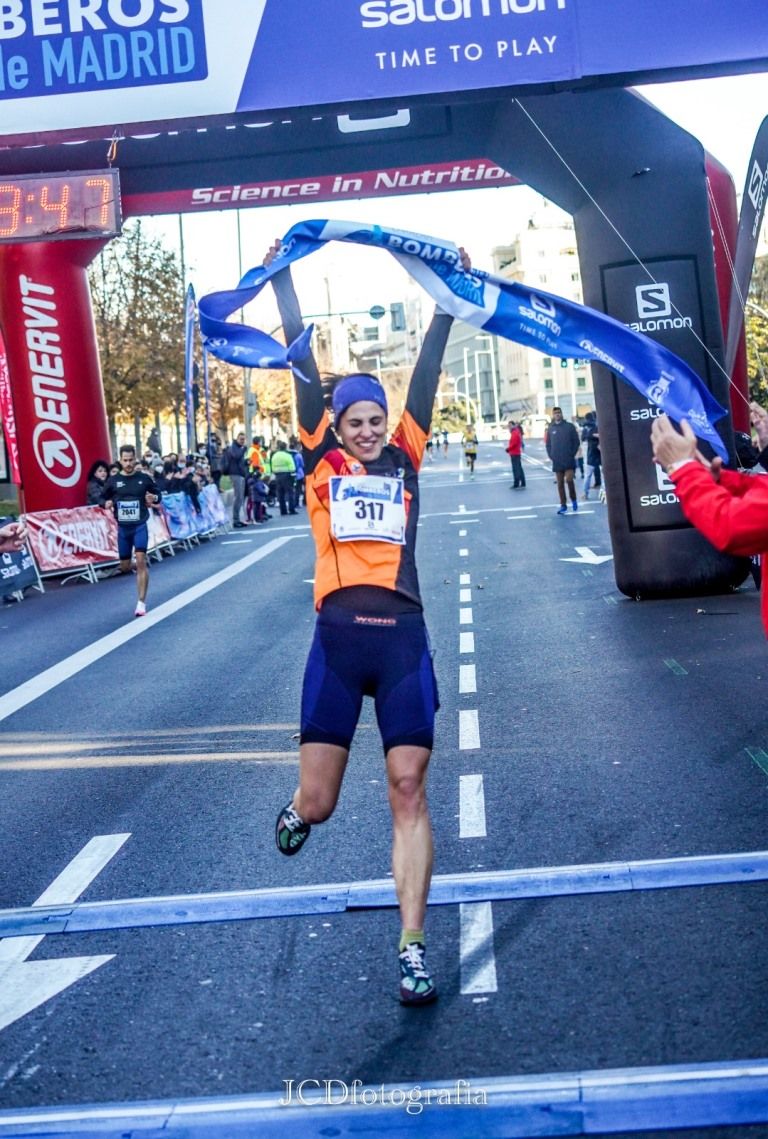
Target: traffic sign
376,311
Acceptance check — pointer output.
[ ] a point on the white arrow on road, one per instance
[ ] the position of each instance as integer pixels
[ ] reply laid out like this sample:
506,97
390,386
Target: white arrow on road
588,557
24,985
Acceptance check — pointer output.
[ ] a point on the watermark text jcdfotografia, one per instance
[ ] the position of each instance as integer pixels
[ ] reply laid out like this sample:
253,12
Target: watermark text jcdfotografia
334,1093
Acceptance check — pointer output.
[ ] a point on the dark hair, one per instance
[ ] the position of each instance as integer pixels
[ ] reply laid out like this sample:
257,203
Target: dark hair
95,466
127,449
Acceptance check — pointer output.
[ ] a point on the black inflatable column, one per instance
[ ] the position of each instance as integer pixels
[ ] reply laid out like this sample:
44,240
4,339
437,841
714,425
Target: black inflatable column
635,184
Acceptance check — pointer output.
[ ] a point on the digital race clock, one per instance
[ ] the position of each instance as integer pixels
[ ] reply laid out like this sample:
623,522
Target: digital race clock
39,207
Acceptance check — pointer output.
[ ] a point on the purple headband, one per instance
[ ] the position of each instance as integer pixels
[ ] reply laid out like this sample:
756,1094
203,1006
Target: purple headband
353,389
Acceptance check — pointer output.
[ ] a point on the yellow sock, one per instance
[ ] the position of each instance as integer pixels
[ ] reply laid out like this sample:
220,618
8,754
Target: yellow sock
409,935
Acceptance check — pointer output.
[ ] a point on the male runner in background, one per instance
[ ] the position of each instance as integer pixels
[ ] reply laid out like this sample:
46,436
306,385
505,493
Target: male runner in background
129,494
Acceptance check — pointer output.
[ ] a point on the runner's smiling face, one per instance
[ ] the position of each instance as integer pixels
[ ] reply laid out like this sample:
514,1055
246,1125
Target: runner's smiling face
363,430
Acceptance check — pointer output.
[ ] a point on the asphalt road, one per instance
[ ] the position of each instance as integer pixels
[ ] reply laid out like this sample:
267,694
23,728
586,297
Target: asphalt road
583,728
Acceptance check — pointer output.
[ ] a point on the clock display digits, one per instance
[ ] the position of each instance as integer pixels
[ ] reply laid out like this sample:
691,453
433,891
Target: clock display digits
61,207
9,211
104,189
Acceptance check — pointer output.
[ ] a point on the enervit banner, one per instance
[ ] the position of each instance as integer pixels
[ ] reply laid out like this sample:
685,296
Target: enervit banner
7,417
46,323
152,60
86,535
72,539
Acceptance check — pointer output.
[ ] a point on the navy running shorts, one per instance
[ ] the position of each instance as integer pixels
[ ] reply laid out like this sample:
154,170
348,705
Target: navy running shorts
130,538
360,654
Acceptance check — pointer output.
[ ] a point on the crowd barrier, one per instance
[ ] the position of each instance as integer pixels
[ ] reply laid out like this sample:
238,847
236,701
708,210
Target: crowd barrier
81,542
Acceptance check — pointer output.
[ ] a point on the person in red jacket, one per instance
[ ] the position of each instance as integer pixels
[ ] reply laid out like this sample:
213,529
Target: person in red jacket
728,507
515,452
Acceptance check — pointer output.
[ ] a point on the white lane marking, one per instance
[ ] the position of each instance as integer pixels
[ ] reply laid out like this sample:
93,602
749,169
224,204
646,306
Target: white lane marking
471,807
467,679
462,533
469,729
517,517
465,616
44,681
463,553
462,508
464,579
478,963
236,541
463,521
466,642
25,985
465,595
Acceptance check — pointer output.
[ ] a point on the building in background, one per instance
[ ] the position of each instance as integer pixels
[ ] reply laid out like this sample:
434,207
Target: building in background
499,379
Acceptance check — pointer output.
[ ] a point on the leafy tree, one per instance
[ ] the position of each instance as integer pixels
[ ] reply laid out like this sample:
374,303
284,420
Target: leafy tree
138,302
756,325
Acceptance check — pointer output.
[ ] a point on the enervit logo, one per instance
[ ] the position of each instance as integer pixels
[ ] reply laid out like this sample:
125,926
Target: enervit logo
57,454
55,450
653,300
654,309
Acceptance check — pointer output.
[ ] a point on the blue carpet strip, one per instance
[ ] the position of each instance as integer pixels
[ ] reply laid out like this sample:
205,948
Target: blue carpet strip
585,1103
447,889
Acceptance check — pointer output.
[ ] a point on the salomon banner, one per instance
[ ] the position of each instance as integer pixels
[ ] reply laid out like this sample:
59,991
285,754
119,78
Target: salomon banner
549,323
750,220
17,570
67,64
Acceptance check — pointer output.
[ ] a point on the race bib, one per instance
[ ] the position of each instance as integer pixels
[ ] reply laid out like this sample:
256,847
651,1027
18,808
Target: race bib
367,508
128,510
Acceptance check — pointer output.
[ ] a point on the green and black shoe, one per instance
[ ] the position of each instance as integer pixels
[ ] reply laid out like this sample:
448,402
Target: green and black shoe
417,986
291,832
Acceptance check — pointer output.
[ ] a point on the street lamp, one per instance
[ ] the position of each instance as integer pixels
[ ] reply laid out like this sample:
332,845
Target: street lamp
467,400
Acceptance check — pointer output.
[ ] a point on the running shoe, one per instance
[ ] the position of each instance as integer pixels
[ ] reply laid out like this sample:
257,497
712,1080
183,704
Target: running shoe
291,832
417,985
563,510
574,506
141,609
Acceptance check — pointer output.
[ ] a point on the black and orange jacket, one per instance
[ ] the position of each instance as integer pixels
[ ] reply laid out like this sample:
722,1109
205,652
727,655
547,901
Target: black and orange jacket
343,564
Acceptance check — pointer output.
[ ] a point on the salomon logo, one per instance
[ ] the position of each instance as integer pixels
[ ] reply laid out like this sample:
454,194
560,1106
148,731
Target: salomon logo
653,300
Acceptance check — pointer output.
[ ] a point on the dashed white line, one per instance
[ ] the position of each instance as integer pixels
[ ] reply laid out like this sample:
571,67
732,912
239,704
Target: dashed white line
478,964
462,533
465,595
466,642
471,807
464,579
465,616
469,729
467,679
463,553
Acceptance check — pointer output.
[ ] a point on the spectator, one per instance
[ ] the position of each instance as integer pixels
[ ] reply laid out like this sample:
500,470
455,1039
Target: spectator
730,508
12,537
294,449
97,480
213,453
258,494
562,445
515,451
591,436
234,465
284,470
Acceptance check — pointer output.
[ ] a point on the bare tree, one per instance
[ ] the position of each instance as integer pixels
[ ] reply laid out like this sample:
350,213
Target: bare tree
138,303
